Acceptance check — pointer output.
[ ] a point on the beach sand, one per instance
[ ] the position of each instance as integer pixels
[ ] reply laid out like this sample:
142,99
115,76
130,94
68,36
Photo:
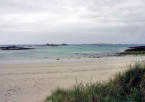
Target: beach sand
32,82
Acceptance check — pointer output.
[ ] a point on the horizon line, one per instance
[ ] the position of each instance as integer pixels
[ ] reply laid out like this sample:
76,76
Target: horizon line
78,43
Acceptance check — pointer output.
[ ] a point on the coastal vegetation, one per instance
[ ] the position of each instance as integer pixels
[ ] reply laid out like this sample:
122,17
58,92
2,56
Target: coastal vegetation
128,86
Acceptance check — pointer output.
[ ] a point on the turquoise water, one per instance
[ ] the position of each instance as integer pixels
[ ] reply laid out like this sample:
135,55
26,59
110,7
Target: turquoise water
69,51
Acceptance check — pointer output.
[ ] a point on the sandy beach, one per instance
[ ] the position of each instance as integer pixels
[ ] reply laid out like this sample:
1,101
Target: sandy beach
51,44
32,82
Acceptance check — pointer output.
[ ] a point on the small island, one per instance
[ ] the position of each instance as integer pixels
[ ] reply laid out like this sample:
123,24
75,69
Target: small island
55,45
15,48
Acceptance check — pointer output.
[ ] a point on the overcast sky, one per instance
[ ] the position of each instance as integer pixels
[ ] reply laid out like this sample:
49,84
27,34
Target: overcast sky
72,21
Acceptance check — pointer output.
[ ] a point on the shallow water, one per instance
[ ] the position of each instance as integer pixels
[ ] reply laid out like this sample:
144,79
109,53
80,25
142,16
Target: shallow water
69,51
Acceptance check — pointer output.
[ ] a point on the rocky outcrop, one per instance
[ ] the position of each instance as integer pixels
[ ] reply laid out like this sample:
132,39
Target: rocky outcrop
51,45
137,50
54,45
14,48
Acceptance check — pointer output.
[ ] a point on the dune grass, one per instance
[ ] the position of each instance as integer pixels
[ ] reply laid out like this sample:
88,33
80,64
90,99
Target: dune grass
125,87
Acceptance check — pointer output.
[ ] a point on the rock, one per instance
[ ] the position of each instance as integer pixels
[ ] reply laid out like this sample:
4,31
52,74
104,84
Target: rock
57,59
14,48
134,51
63,44
137,48
54,45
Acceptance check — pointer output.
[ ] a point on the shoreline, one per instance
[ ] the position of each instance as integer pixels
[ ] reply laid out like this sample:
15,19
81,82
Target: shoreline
32,82
73,60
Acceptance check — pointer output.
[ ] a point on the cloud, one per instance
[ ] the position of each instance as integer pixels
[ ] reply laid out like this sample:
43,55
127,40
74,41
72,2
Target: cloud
65,18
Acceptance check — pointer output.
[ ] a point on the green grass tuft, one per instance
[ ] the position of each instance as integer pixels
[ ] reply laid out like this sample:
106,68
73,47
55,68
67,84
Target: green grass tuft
128,86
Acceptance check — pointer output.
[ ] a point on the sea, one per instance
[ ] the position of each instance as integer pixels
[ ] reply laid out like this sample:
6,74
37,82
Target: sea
63,51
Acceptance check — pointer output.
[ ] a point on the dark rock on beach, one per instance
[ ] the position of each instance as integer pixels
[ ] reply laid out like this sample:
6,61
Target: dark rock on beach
14,48
58,59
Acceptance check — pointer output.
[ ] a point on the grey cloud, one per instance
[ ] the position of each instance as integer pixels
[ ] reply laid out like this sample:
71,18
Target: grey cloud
93,20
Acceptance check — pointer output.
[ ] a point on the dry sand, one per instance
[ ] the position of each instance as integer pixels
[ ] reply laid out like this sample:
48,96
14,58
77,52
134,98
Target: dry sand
33,82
